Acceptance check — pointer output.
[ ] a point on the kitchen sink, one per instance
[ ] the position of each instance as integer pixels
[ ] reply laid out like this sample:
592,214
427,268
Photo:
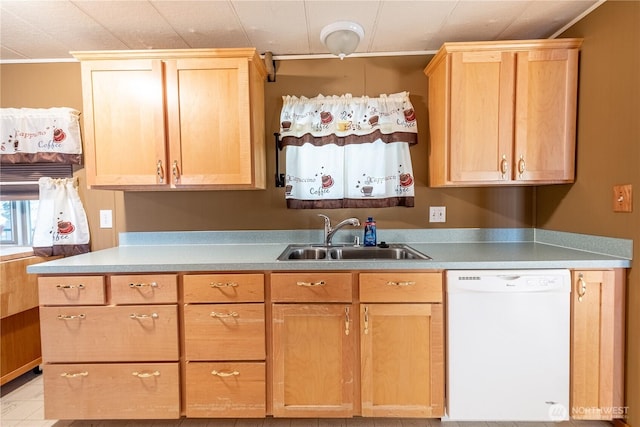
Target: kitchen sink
341,253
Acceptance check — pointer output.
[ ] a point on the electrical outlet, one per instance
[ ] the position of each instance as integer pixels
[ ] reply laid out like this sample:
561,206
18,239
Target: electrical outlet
106,219
437,214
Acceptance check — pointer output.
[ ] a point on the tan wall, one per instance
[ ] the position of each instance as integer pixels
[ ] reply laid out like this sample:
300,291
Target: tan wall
608,154
46,85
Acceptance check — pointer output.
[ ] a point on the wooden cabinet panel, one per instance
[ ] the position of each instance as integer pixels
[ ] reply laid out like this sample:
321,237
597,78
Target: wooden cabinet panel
109,334
203,288
503,113
124,132
210,101
401,287
224,331
311,287
597,344
112,391
482,91
72,290
545,115
144,289
313,360
225,390
402,360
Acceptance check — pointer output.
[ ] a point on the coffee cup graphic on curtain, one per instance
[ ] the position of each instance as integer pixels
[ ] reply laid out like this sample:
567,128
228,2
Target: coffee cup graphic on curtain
61,224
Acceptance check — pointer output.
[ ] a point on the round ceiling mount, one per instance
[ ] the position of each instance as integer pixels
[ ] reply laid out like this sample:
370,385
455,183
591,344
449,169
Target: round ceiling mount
342,37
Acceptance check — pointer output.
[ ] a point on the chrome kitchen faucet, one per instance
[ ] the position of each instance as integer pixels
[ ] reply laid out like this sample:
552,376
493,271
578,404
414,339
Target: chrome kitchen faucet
329,231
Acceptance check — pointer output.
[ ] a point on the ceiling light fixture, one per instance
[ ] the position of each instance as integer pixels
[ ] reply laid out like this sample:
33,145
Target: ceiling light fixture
342,37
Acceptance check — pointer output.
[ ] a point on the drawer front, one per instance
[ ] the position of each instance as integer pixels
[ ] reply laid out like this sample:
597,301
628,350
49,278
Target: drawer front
401,287
311,287
224,332
71,290
225,390
112,391
109,334
144,289
223,288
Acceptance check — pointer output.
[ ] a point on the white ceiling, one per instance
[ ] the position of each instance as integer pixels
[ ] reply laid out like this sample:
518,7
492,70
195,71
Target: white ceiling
38,30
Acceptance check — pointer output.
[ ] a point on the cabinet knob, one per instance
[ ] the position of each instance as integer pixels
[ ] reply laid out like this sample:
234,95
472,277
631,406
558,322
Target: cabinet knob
521,166
581,285
160,171
225,374
318,283
504,166
175,171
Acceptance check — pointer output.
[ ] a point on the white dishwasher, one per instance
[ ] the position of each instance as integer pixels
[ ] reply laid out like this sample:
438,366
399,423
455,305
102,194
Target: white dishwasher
508,345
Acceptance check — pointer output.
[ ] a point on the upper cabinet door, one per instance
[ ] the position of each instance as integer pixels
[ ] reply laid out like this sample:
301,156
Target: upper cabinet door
482,91
209,125
545,120
124,122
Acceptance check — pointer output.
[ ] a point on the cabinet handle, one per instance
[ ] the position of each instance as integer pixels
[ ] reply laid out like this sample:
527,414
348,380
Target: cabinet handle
74,375
143,285
347,321
71,316
366,320
146,374
521,166
225,374
63,287
136,316
319,283
504,166
581,284
159,171
223,285
175,172
406,283
224,315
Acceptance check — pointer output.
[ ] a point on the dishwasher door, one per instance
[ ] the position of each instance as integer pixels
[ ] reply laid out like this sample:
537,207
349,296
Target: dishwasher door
508,345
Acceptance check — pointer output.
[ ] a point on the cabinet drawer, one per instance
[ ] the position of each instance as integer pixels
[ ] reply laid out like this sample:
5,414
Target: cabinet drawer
109,334
112,391
223,288
224,331
71,290
311,287
401,287
144,289
225,390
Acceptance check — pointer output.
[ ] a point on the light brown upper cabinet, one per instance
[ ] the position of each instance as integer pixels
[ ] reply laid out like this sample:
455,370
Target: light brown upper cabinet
503,113
174,119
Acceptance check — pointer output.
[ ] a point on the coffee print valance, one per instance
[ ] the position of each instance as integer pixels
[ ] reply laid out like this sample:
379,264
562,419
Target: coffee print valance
40,135
346,152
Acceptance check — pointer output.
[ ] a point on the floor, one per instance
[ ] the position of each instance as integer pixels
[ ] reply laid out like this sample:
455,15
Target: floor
22,405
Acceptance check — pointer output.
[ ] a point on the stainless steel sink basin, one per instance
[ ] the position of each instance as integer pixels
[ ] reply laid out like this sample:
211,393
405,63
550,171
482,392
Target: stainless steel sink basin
341,253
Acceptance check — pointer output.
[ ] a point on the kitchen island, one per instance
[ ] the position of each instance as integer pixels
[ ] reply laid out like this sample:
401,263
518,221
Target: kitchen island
212,325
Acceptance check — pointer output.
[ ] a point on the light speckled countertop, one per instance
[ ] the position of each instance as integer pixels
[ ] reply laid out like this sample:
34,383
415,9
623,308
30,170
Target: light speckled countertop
258,250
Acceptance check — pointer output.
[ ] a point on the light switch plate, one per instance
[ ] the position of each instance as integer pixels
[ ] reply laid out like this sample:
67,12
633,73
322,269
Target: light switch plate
106,218
622,198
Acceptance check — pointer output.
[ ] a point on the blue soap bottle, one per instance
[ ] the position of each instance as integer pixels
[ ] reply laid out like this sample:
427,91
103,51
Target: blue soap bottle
370,232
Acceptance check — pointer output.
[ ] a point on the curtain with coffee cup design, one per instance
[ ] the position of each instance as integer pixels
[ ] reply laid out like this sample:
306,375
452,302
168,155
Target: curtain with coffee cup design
348,152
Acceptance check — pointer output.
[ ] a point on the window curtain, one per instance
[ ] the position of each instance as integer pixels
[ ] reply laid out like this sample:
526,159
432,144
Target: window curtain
40,135
61,225
346,152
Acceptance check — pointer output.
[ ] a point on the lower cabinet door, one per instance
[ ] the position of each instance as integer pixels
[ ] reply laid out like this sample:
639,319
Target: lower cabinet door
112,391
313,360
402,360
225,390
